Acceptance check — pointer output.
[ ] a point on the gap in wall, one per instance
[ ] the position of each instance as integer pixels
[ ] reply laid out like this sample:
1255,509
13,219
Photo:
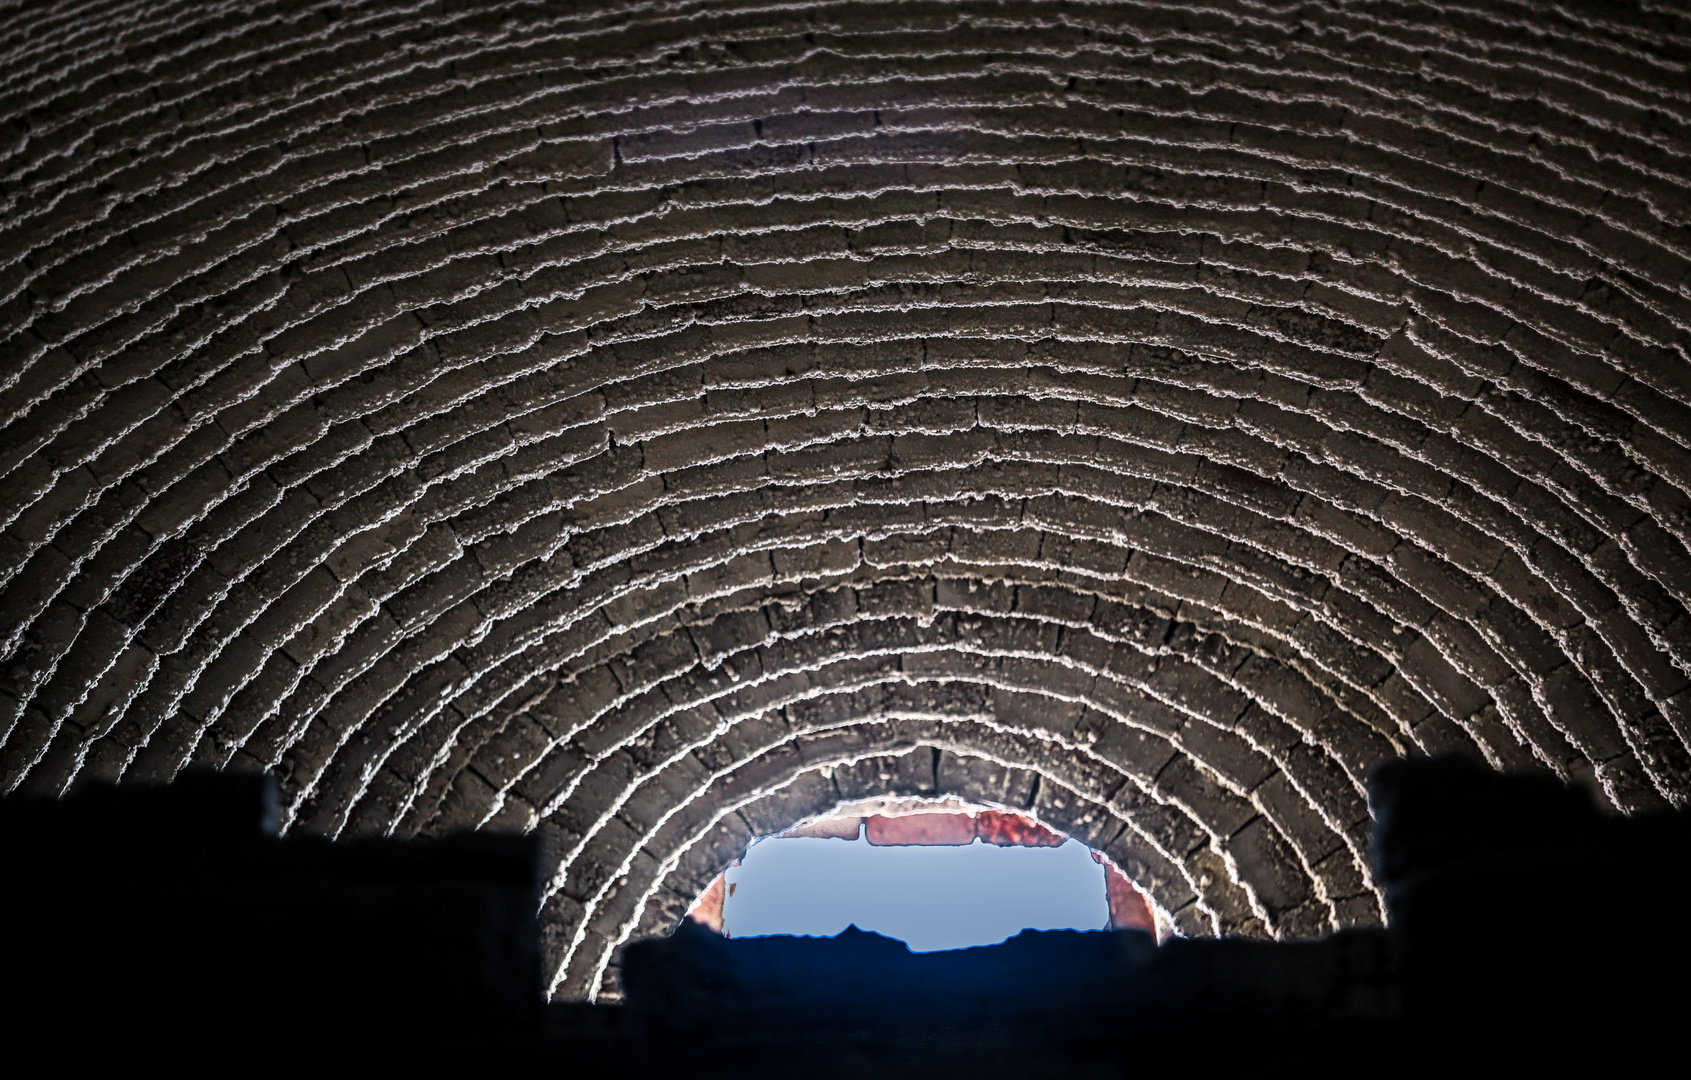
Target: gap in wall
931,874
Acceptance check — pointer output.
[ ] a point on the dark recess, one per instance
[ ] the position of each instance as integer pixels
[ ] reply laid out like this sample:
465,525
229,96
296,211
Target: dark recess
219,939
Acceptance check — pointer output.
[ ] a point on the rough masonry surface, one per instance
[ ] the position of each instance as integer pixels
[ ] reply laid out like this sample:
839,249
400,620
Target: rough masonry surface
653,424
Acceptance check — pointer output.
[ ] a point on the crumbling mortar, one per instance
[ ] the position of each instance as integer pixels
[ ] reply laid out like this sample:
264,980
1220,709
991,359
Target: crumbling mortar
1309,628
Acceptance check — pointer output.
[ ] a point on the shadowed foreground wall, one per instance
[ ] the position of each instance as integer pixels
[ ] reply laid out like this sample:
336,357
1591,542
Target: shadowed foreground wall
649,425
423,954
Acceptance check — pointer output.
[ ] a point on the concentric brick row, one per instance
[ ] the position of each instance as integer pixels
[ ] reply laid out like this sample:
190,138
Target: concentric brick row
652,424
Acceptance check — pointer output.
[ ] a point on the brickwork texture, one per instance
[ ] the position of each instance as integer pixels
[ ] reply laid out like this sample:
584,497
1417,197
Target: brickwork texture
651,424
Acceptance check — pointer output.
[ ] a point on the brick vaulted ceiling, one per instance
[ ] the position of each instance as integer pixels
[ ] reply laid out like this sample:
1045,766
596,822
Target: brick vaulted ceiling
653,423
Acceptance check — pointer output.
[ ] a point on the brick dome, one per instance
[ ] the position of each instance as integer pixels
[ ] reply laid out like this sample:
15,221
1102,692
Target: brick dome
654,424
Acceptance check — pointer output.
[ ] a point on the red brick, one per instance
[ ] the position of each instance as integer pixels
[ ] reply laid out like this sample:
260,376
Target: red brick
1129,908
708,908
913,830
1014,830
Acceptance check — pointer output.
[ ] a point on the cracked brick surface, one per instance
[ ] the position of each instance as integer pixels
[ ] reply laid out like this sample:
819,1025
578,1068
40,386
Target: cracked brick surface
654,424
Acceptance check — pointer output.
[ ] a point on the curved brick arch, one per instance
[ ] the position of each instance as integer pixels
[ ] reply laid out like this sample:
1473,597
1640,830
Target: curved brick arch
442,406
950,758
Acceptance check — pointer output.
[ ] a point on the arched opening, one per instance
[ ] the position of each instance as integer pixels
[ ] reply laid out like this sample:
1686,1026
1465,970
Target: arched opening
934,873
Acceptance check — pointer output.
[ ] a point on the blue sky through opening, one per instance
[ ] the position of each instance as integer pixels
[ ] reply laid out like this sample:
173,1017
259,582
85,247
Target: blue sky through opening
931,897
